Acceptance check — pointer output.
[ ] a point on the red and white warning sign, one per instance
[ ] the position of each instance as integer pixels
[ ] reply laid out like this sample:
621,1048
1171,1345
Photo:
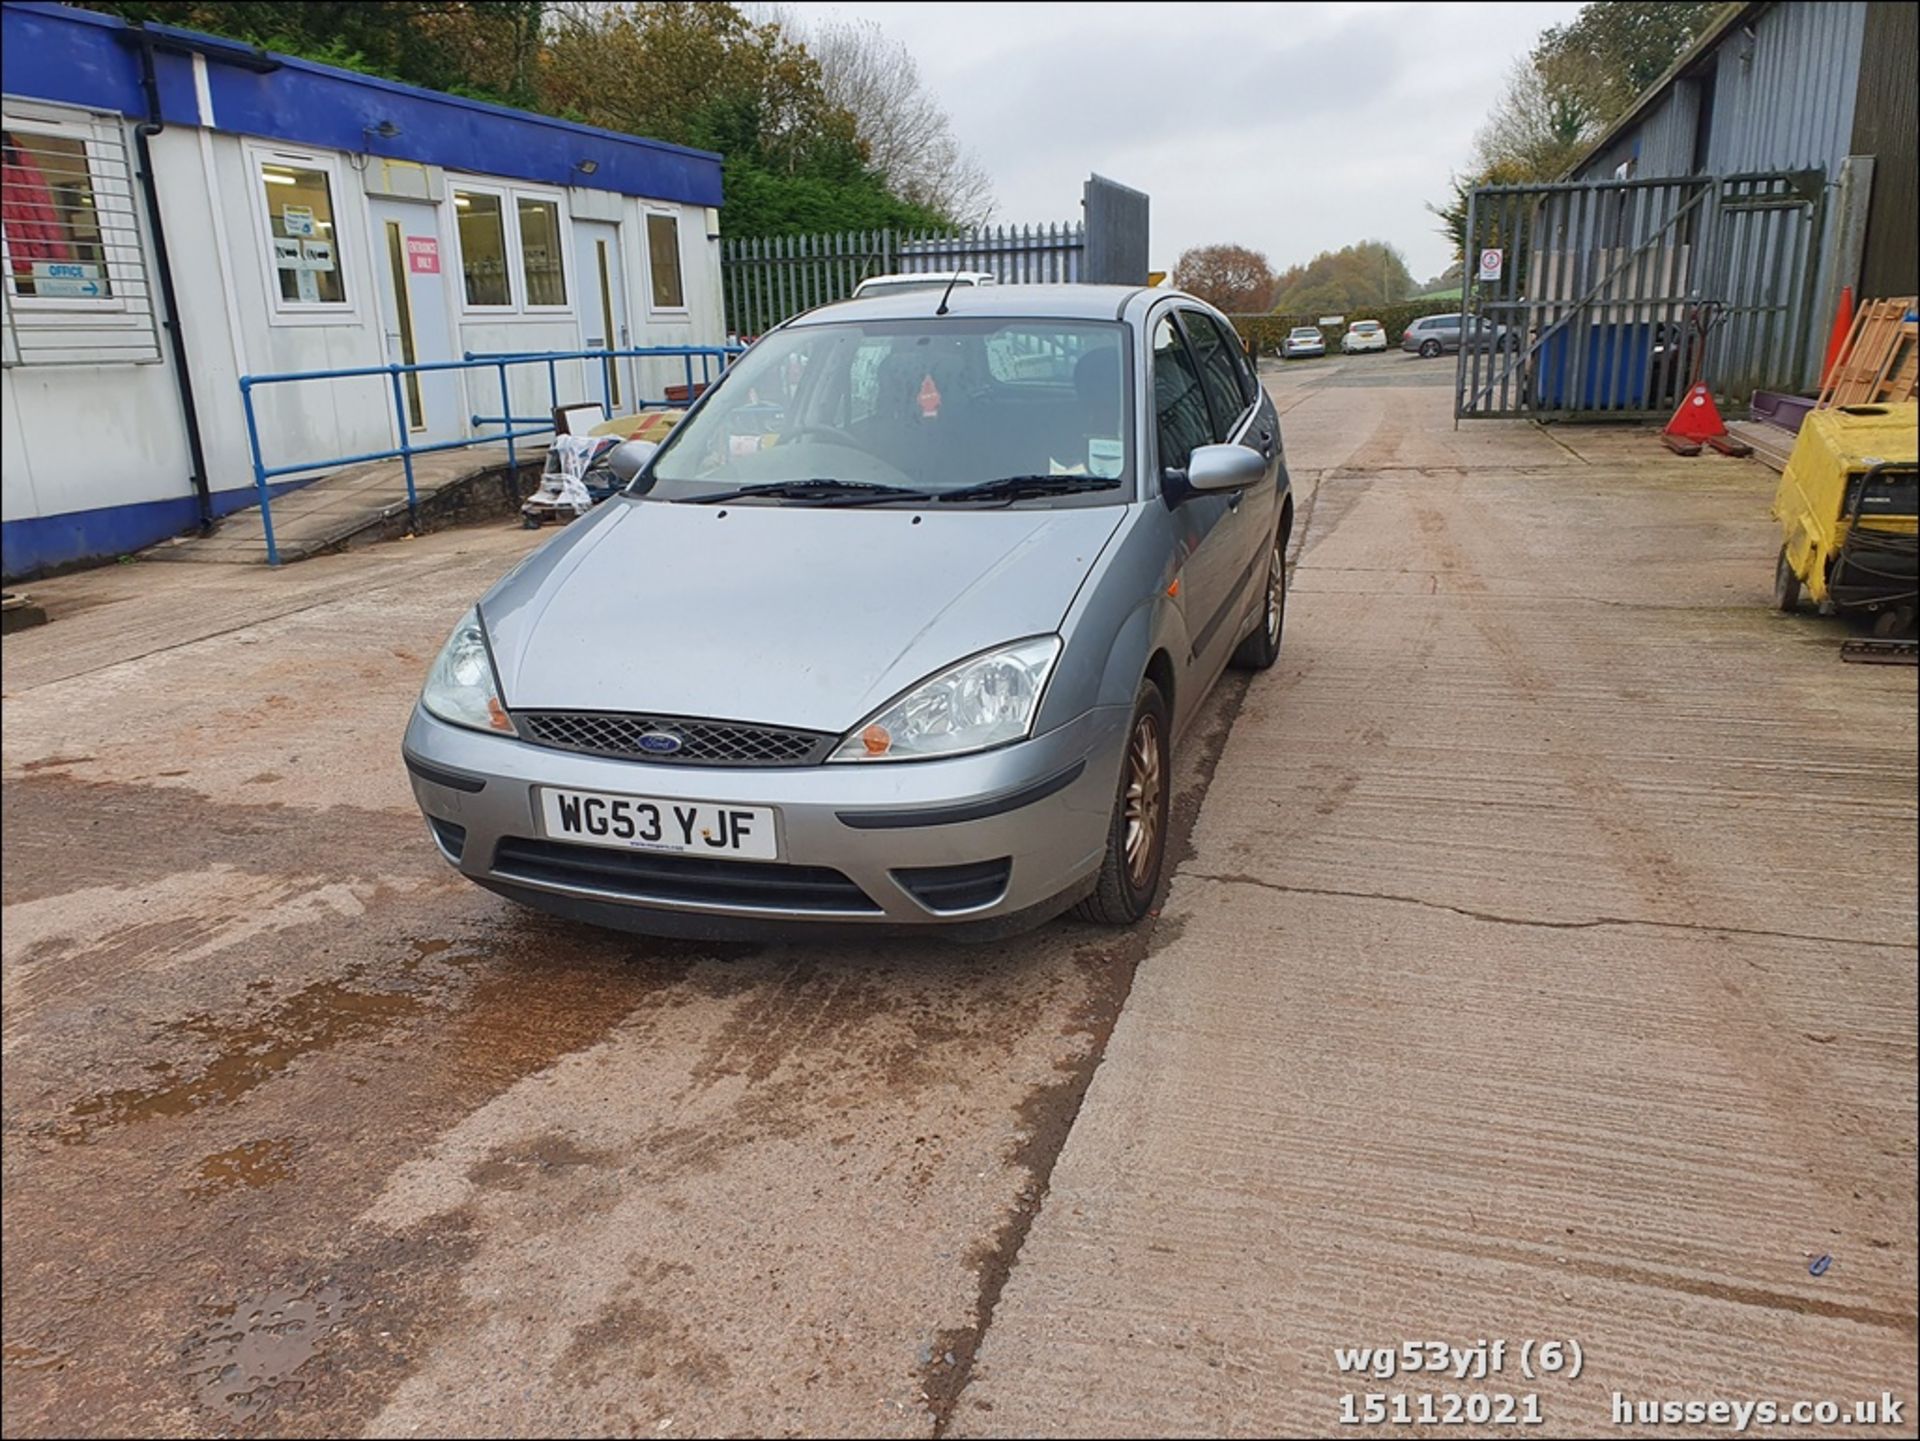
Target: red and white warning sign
1491,264
423,255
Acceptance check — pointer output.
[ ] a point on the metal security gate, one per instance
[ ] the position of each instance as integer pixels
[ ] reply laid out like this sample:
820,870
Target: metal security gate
1605,299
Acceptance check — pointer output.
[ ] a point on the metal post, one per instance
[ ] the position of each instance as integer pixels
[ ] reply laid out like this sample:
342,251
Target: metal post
506,411
553,390
259,469
1469,268
688,360
406,446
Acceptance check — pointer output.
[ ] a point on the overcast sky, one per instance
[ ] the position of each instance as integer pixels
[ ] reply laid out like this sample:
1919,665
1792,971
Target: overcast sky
1292,128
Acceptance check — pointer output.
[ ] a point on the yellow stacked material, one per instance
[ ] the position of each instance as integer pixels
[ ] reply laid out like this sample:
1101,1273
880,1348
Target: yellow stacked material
647,425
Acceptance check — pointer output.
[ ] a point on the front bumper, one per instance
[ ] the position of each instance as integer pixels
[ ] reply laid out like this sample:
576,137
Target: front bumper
1043,806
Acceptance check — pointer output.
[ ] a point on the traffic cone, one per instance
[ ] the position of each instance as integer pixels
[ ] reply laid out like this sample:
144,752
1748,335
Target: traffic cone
1842,328
1698,418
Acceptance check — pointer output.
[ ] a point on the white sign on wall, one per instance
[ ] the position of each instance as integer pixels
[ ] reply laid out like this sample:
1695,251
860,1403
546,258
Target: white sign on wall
67,278
1491,263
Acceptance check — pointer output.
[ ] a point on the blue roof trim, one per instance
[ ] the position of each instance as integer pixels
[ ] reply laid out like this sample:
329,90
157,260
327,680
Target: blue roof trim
51,52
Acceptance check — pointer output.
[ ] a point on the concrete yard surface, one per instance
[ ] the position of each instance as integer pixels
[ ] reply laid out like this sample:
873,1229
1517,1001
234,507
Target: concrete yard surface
1538,963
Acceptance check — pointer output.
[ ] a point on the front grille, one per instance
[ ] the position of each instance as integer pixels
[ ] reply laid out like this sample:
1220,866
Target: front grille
702,742
957,888
695,880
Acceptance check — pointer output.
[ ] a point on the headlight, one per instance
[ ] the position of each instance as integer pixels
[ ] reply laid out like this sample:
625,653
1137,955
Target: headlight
460,688
982,702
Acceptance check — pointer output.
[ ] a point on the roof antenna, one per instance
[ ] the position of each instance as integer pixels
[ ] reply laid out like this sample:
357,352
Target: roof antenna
947,292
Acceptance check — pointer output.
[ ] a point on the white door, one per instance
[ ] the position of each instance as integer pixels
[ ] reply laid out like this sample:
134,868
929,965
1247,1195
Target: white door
413,318
603,312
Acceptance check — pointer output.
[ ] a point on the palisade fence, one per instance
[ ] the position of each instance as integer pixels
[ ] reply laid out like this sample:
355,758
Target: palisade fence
769,278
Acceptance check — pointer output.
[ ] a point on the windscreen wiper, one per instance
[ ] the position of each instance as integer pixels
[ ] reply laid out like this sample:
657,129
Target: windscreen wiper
1019,487
824,490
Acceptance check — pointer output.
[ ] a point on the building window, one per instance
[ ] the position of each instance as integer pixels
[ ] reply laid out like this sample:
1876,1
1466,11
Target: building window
300,227
483,247
663,260
52,218
541,263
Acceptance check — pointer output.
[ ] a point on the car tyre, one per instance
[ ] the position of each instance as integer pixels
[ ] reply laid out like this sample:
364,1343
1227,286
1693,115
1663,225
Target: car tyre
1786,585
1429,349
1261,649
1137,834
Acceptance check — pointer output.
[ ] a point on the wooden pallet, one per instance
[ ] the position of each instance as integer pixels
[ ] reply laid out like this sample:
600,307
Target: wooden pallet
1880,363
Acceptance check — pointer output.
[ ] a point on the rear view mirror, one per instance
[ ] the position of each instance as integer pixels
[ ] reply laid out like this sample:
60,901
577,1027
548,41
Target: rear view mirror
1225,467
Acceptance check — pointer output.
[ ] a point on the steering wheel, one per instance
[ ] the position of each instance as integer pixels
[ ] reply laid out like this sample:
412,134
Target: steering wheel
832,432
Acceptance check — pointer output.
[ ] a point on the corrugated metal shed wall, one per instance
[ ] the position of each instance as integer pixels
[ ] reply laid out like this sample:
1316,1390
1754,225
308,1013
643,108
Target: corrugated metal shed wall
1884,126
1784,99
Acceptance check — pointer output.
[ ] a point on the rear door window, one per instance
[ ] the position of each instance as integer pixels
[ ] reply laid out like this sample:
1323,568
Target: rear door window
1179,403
1226,397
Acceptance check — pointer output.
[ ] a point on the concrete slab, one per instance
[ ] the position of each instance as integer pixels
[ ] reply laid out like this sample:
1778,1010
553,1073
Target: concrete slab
1544,968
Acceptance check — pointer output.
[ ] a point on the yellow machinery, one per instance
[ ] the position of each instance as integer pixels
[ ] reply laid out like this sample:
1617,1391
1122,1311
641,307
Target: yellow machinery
1847,513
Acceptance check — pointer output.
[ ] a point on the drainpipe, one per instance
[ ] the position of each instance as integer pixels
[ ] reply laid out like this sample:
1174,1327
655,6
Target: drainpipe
146,41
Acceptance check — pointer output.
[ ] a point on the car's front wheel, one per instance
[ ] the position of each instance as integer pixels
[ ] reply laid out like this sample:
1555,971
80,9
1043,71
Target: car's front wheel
1137,833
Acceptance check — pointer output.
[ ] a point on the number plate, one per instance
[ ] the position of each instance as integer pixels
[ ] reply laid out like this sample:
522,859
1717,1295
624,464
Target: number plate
643,823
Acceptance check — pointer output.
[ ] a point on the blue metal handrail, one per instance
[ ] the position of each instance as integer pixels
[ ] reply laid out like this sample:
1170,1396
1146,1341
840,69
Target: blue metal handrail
511,425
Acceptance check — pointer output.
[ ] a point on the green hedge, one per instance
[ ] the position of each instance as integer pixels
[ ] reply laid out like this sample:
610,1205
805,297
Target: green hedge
1263,333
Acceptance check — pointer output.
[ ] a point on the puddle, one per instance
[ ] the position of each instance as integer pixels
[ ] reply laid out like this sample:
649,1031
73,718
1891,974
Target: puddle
314,1018
254,1164
248,1358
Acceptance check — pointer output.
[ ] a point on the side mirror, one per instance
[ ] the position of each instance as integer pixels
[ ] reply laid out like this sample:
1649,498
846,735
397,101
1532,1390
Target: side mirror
627,458
1225,467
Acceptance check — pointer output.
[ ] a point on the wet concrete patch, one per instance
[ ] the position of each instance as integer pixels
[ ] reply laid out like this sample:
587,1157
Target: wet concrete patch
315,1018
253,1354
64,835
252,1164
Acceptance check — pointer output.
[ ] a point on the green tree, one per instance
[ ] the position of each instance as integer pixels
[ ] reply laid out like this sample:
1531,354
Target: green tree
1370,273
481,48
1609,54
707,75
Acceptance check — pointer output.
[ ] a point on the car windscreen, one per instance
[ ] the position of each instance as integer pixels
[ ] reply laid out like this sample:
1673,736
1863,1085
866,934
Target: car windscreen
930,404
1366,326
1306,332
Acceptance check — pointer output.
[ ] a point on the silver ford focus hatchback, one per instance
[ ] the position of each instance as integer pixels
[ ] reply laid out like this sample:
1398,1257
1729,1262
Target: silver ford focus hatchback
898,628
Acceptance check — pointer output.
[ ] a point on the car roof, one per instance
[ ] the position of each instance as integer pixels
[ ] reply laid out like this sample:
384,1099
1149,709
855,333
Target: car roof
1000,302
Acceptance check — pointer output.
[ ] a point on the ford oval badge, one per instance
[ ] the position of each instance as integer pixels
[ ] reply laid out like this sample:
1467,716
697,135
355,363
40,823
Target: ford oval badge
660,743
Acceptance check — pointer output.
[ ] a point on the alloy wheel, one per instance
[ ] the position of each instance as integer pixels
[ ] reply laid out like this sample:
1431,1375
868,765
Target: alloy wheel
1143,799
1276,593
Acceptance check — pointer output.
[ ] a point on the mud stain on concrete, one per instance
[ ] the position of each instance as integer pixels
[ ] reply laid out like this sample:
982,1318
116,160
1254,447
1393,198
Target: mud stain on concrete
251,1165
315,1018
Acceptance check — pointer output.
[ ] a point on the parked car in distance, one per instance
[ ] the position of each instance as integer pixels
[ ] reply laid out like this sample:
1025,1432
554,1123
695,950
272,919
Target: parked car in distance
1433,335
899,628
1363,336
931,280
1302,341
